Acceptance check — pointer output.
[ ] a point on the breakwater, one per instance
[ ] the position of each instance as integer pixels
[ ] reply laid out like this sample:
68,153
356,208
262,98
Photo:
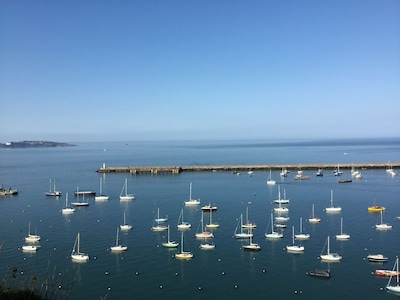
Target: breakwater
135,170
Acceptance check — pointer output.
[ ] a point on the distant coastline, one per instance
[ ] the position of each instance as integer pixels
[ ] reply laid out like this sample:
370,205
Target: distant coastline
33,144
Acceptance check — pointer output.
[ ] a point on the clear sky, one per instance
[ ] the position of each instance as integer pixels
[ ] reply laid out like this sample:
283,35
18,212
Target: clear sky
203,69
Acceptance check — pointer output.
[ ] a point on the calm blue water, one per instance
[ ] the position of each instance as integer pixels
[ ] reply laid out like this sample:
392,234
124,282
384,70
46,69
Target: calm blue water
147,270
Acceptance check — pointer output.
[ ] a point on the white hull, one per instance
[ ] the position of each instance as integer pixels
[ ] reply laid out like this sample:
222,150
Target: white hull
207,246
32,238
274,235
101,198
125,227
119,248
30,248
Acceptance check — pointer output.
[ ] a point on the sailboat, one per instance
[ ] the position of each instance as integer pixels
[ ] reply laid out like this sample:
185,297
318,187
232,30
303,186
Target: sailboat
203,233
313,219
67,209
125,226
376,208
124,192
394,288
383,226
302,235
241,234
270,181
183,254
158,219
78,202
333,257
182,224
118,247
281,209
248,224
294,248
192,201
52,190
31,238
337,172
279,200
273,234
76,254
211,224
169,243
342,236
30,248
252,246
101,196
333,209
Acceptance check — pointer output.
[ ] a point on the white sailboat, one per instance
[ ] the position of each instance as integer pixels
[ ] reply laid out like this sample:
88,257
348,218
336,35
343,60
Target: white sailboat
394,288
169,243
32,238
182,224
301,235
78,202
383,226
252,246
101,196
239,233
183,254
203,233
248,224
124,192
76,254
273,234
192,201
333,209
342,236
212,225
52,190
313,218
333,257
281,209
293,248
30,248
67,209
125,226
159,219
279,200
118,247
337,172
270,181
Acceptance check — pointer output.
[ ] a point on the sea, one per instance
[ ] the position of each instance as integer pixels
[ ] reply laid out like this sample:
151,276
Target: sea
149,271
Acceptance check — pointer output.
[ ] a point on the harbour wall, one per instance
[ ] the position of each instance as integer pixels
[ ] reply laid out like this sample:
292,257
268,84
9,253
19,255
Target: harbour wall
136,170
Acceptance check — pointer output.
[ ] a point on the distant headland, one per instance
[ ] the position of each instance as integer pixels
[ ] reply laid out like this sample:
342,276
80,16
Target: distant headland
34,144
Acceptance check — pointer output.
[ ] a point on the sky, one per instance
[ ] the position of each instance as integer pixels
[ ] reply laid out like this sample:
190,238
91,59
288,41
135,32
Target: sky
199,69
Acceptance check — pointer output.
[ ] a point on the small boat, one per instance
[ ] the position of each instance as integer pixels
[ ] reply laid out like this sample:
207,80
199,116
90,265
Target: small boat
52,190
390,170
8,192
279,200
282,218
202,232
301,235
76,255
345,180
278,225
183,254
250,173
182,224
32,238
118,247
125,226
209,207
281,209
313,218
84,193
248,224
300,176
270,181
394,288
337,172
377,258
158,219
333,257
383,226
319,173
241,234
333,209
252,246
192,201
358,176
376,209
207,246
101,197
273,234
284,172
124,195
386,273
67,209
294,248
319,273
159,227
342,236
80,203
30,248
212,225
169,243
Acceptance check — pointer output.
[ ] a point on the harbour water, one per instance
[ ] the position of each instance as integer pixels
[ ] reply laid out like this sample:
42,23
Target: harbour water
147,270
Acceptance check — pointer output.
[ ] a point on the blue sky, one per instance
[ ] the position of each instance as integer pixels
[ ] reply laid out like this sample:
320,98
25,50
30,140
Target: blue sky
206,69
